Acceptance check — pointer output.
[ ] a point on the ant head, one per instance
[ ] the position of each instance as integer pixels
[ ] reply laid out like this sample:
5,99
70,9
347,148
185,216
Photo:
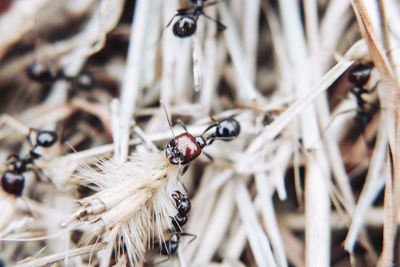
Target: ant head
227,129
359,74
13,182
46,138
182,149
183,204
184,27
40,72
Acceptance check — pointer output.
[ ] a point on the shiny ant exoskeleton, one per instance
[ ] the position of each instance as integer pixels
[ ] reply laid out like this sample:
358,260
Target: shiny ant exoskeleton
13,179
186,25
359,75
183,206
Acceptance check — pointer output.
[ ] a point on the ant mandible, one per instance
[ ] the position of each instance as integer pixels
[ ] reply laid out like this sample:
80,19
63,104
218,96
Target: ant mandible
13,180
186,25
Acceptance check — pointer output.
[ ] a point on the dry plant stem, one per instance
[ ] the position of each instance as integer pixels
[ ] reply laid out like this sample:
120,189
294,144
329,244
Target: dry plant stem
246,89
258,241
133,72
322,105
21,18
391,101
272,130
217,226
374,218
373,185
265,195
250,37
317,208
58,257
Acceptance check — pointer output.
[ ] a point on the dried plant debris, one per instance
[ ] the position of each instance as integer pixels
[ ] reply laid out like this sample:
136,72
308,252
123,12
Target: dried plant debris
199,133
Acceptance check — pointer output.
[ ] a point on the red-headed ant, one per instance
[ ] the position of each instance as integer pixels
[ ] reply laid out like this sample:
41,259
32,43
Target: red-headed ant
13,179
184,148
186,25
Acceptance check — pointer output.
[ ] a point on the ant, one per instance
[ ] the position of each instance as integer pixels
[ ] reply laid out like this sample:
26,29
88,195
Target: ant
13,180
359,75
184,148
186,25
39,72
183,206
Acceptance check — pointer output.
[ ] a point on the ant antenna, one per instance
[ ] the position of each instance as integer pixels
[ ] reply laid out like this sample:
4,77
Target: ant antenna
166,115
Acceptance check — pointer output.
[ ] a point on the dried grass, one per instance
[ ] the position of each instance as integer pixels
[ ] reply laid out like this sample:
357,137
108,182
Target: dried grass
302,185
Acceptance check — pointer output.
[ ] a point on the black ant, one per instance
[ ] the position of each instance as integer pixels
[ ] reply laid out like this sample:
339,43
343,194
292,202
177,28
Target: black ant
186,25
184,148
13,179
183,206
39,72
359,76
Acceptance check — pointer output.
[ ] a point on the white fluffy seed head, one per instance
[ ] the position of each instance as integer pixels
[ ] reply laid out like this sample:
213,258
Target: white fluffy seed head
134,197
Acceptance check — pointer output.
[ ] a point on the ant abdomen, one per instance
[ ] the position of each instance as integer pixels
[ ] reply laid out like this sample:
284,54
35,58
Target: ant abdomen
13,182
227,129
184,27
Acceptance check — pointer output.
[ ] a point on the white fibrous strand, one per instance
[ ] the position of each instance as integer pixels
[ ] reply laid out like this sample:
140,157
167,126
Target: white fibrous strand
133,199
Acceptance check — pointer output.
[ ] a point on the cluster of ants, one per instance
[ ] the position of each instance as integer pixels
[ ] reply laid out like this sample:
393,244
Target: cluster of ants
13,179
181,150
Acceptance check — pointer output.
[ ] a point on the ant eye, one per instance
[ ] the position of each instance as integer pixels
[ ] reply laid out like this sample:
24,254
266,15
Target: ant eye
13,182
184,27
46,138
227,129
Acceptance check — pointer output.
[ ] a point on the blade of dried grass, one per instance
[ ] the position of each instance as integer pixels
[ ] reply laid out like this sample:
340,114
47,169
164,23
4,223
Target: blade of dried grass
373,185
317,208
217,226
133,72
258,241
57,257
246,89
272,130
265,196
391,100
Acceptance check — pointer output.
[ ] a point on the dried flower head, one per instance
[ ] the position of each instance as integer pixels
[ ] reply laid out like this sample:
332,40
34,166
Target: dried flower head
132,204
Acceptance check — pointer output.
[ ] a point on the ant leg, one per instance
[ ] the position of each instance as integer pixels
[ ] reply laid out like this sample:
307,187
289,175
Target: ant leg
208,156
189,234
209,128
221,27
181,12
185,168
182,125
213,3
